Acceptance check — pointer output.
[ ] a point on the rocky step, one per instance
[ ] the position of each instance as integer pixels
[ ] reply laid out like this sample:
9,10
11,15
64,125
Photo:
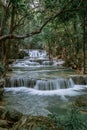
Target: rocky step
79,79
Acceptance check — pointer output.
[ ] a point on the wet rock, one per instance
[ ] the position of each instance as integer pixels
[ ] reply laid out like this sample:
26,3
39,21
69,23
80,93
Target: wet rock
11,61
82,80
7,82
81,103
1,92
1,83
47,63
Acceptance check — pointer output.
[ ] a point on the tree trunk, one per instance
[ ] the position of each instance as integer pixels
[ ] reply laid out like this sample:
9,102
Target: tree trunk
84,44
8,44
76,40
3,25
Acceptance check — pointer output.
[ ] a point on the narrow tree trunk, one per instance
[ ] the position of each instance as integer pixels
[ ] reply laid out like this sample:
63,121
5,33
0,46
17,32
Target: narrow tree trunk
49,50
76,40
84,44
3,25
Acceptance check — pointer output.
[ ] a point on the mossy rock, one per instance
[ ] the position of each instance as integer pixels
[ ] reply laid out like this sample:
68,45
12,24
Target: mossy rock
79,79
81,103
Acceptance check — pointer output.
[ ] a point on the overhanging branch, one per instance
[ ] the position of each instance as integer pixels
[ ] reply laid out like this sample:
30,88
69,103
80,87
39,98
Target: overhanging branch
15,36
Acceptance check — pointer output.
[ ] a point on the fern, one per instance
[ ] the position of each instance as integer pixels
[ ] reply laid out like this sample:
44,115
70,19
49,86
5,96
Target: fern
74,121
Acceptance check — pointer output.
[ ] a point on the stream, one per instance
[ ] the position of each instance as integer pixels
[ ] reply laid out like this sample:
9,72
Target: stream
38,86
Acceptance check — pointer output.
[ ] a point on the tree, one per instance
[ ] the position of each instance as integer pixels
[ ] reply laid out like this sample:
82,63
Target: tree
38,14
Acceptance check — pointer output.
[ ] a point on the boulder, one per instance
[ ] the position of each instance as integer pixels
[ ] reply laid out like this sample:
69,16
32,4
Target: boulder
79,79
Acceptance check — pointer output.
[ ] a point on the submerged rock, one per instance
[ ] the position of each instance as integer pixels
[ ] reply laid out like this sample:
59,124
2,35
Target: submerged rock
47,63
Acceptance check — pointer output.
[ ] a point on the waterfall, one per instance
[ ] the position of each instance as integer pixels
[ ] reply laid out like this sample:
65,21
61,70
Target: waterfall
70,83
37,53
36,58
39,84
54,84
18,82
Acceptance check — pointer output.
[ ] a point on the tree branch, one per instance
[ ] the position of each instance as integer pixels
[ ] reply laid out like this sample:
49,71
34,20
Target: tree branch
14,36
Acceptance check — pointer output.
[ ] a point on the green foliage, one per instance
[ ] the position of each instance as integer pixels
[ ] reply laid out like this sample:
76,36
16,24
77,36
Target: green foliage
17,3
74,61
22,54
64,32
72,121
50,3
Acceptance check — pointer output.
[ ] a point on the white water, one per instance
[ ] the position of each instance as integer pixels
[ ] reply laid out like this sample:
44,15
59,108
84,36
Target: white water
37,88
76,90
36,58
31,101
37,54
50,84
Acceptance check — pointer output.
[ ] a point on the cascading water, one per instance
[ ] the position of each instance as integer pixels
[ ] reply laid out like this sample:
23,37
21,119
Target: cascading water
37,54
17,82
36,58
37,85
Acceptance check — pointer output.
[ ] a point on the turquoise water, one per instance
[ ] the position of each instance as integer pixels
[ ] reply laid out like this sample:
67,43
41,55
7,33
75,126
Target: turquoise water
37,102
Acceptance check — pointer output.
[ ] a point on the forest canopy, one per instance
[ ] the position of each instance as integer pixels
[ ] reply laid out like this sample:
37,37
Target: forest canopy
58,23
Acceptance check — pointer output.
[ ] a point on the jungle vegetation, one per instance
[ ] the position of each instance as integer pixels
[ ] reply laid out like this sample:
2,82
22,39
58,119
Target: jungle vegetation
58,26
